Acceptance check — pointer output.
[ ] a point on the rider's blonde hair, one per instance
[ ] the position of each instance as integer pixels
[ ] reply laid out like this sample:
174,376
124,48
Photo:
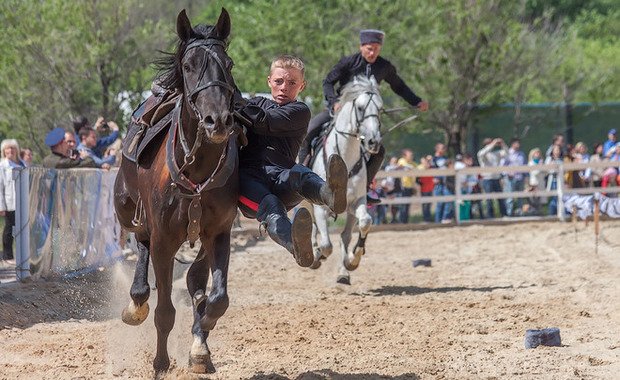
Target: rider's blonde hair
287,61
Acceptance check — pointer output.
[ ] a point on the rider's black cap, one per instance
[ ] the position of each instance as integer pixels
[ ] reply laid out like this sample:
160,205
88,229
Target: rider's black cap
370,36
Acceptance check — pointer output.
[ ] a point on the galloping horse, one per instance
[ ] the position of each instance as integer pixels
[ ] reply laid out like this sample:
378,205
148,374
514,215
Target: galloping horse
355,134
185,189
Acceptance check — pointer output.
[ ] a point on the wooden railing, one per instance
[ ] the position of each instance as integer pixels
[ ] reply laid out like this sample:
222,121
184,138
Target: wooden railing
557,168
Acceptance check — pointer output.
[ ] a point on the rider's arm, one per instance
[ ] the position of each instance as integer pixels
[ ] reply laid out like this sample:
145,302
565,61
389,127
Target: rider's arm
400,88
289,120
337,72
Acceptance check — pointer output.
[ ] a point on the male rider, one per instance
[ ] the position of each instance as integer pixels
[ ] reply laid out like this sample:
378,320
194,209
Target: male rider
367,62
270,181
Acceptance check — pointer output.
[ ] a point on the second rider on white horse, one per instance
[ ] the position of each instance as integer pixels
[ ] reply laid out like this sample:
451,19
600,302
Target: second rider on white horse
367,62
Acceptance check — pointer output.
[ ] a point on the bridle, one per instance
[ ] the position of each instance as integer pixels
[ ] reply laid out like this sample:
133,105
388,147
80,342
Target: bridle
360,118
189,154
206,45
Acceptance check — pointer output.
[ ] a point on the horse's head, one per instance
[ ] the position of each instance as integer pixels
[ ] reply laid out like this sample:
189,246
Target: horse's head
207,83
362,101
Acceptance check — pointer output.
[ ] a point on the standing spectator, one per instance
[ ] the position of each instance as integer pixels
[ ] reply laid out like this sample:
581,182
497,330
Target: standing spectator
552,178
59,156
558,139
609,145
440,162
536,180
406,163
597,156
514,181
88,138
611,174
449,189
26,155
72,145
392,186
109,131
377,211
472,186
490,156
583,177
9,150
426,187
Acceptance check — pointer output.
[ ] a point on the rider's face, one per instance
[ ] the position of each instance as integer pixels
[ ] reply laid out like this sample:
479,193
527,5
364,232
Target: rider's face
370,52
285,84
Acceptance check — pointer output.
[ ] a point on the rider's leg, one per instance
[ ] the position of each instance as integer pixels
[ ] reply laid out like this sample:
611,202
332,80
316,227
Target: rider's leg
331,193
373,165
314,129
295,236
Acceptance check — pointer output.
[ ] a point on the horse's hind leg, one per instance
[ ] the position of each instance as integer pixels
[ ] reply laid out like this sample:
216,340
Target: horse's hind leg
138,309
197,279
345,239
217,302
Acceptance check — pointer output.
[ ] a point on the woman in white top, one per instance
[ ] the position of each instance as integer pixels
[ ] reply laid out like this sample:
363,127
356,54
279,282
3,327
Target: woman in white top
9,150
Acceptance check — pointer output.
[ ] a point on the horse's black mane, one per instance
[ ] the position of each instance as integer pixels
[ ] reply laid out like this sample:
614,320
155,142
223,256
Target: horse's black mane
169,74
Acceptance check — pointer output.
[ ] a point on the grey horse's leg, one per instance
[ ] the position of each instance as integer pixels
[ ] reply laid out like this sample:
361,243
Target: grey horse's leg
345,239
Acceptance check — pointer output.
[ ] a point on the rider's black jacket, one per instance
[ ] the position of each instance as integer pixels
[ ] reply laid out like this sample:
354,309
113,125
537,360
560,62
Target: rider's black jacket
355,64
276,132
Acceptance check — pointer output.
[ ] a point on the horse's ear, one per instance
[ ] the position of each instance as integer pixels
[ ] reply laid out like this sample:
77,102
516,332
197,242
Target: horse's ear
184,26
222,27
373,81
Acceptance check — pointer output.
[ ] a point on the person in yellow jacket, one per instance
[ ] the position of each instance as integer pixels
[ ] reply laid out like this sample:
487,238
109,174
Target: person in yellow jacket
406,163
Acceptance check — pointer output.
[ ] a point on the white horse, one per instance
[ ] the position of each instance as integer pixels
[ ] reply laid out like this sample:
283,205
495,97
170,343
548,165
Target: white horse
355,134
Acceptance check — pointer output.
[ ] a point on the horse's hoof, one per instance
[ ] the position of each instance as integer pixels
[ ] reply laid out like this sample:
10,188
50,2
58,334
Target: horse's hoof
316,264
133,315
201,364
345,280
352,265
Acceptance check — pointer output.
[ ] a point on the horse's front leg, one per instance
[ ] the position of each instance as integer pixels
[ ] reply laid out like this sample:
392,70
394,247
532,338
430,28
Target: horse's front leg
345,239
324,245
364,221
138,309
197,279
163,264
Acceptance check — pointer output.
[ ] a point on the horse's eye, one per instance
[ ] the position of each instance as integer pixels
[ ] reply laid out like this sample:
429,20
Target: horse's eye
186,67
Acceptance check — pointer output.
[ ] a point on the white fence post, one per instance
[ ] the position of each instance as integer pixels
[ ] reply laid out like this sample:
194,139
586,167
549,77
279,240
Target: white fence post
21,232
560,189
457,193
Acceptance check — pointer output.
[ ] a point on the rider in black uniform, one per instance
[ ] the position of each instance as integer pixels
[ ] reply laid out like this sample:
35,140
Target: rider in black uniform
366,62
270,181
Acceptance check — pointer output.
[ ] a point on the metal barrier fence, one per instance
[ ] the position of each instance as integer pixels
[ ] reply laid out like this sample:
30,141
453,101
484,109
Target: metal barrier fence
558,169
64,221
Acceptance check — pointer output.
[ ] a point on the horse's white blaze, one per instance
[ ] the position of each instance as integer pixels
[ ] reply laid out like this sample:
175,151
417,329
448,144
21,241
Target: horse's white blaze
356,129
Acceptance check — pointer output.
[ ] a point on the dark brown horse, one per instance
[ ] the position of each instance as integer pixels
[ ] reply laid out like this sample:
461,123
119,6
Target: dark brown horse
185,189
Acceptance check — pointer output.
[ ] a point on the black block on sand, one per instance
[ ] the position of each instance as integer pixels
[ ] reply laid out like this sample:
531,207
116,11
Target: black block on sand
422,263
544,337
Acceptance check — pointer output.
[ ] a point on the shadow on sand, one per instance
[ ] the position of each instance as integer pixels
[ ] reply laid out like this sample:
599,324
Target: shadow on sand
324,374
415,290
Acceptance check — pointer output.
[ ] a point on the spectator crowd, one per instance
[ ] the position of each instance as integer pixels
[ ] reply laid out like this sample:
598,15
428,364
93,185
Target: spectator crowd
95,146
495,153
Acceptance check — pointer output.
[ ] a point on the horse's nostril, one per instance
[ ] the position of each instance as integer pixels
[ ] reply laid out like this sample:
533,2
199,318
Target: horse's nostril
209,120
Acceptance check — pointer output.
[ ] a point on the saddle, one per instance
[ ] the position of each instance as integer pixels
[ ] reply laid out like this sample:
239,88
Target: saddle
318,143
149,121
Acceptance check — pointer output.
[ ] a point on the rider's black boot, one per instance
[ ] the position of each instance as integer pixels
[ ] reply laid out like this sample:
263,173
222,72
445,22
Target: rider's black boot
333,191
295,236
373,165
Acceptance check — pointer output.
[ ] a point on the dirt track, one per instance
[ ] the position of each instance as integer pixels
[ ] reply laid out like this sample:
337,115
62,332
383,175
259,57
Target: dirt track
465,317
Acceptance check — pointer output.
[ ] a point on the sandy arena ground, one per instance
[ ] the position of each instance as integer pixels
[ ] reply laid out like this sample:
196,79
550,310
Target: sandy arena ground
464,317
